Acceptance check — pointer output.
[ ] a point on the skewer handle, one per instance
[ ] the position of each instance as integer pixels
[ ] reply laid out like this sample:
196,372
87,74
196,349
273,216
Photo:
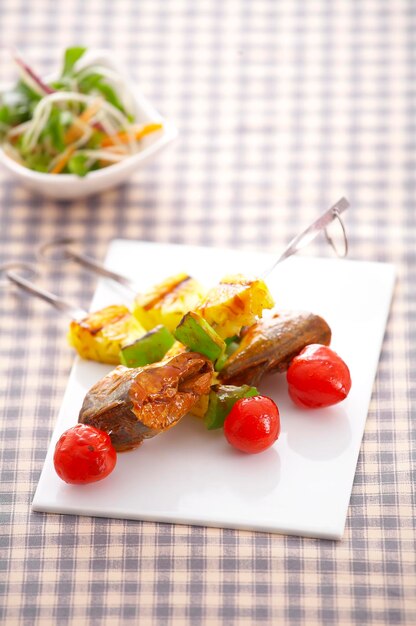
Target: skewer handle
99,269
85,261
73,312
306,236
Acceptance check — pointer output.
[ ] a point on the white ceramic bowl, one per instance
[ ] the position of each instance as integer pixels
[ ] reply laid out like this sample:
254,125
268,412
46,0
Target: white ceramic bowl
67,186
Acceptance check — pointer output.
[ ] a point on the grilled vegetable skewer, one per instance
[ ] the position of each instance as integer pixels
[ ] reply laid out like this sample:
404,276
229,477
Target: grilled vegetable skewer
113,334
235,302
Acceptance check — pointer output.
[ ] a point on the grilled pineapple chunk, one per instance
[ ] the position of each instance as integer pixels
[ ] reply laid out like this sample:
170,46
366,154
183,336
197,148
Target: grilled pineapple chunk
235,302
101,334
177,348
201,407
167,302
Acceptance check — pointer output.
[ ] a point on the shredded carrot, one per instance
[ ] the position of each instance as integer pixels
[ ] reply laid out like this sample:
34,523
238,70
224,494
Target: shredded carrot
74,132
123,137
66,155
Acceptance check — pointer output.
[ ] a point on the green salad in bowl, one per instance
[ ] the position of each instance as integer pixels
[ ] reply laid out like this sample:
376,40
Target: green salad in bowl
82,121
82,130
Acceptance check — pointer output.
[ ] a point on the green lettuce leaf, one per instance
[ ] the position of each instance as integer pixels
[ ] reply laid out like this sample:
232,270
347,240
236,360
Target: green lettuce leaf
72,55
96,82
77,164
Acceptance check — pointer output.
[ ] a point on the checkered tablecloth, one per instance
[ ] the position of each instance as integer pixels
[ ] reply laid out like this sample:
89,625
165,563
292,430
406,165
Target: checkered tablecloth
282,106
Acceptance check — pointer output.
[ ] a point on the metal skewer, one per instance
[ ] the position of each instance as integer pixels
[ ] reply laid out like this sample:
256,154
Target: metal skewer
73,312
320,224
66,252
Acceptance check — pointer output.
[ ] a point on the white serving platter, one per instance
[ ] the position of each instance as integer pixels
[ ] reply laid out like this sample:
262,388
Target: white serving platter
188,475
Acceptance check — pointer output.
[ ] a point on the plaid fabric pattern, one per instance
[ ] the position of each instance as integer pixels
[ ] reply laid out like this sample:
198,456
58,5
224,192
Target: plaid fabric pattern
282,108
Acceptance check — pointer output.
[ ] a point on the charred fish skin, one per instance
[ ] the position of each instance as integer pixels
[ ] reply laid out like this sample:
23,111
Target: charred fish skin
270,345
133,404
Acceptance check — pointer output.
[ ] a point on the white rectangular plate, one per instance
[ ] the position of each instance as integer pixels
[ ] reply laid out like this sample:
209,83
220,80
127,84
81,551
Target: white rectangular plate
189,475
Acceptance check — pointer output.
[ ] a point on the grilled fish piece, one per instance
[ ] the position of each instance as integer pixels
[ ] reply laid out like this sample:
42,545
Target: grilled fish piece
167,302
100,335
235,302
136,404
270,344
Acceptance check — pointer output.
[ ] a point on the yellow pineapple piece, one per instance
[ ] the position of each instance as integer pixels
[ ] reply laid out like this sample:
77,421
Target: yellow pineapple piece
201,407
167,302
177,348
235,302
101,334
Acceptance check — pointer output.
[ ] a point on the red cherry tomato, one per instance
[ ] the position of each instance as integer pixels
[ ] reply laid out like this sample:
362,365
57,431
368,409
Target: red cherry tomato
253,424
318,377
84,454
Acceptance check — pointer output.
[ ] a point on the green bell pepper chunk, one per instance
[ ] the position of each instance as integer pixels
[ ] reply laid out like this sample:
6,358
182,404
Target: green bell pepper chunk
231,346
221,400
150,348
197,335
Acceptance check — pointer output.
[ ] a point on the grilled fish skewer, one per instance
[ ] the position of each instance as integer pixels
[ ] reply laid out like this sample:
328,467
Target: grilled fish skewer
270,344
133,404
136,404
